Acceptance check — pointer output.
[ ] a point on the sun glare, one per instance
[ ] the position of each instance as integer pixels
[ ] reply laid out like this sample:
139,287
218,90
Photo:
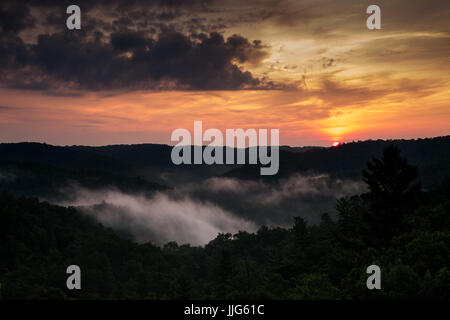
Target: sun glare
336,144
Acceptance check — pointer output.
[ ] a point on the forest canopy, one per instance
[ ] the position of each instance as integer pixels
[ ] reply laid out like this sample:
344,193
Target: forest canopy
395,225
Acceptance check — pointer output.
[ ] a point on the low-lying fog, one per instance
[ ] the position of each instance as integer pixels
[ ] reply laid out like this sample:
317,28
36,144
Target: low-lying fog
196,212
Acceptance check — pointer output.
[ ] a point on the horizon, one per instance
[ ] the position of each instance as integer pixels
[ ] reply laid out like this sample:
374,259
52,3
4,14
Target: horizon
171,145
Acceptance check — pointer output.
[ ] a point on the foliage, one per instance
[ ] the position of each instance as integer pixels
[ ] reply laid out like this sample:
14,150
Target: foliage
395,225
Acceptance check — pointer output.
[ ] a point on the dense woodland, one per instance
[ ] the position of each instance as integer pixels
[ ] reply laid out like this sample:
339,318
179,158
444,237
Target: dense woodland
397,224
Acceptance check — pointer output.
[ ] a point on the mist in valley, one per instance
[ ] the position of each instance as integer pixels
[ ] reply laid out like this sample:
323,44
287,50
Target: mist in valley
196,212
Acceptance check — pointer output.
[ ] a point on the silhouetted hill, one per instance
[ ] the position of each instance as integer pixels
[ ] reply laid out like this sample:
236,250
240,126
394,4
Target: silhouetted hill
136,155
431,156
42,169
62,157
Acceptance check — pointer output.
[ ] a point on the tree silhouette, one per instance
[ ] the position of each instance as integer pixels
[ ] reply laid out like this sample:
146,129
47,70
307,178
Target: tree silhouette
391,193
391,176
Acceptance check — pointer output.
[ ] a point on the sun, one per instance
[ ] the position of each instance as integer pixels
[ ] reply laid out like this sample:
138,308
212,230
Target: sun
336,144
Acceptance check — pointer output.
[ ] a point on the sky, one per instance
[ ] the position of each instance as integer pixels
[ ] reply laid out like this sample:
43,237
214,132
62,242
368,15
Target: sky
137,70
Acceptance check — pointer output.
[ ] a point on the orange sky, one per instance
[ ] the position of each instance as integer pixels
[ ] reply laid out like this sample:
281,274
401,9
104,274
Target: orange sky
342,83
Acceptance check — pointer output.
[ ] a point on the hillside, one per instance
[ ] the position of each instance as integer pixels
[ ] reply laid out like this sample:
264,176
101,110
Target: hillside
36,169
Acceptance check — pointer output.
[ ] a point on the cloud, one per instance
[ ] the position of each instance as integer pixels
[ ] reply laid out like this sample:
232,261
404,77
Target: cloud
14,18
129,40
131,60
126,45
105,56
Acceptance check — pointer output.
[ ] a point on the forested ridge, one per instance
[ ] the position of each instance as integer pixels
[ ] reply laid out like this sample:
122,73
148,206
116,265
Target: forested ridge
396,225
40,169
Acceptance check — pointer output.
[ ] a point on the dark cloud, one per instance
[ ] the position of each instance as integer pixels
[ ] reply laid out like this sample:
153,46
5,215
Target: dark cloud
14,18
131,60
113,3
103,56
130,40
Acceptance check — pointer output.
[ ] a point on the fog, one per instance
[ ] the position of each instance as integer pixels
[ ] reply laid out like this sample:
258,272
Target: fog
7,176
159,219
276,203
196,212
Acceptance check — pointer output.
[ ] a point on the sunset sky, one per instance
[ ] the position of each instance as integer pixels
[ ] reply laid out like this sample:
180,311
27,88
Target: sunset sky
137,70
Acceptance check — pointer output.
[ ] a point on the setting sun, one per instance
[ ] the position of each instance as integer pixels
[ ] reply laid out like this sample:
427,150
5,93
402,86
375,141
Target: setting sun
336,144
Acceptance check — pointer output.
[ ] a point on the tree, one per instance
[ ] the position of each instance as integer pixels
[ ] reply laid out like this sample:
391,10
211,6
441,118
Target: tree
300,232
391,176
392,192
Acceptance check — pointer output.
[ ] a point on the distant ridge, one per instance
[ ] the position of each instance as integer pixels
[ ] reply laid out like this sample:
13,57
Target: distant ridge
147,161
